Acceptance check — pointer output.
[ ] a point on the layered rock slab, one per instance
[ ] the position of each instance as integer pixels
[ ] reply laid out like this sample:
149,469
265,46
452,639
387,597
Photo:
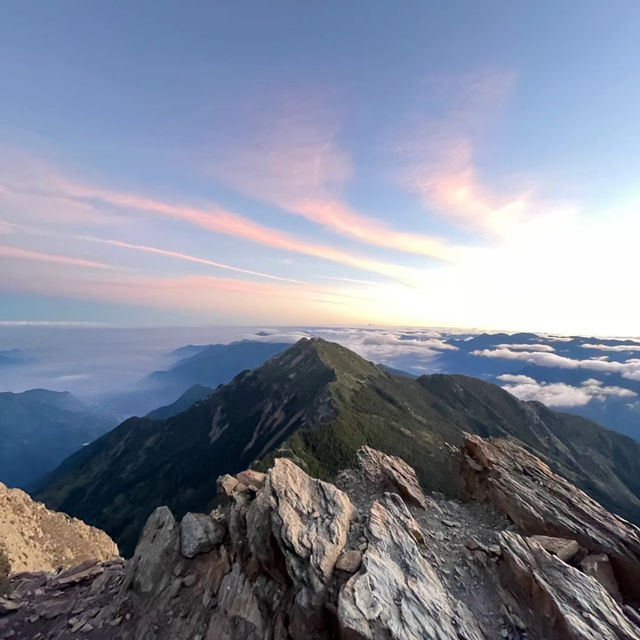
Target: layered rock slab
293,559
391,472
541,502
568,603
397,593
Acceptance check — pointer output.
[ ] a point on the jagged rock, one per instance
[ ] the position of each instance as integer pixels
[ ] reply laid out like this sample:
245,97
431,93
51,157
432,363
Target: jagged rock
632,614
597,566
82,573
54,608
541,502
199,533
239,614
295,528
226,485
568,603
562,547
155,552
393,473
251,479
397,593
37,539
310,520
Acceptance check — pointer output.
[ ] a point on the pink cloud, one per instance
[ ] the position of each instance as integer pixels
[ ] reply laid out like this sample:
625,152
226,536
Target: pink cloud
282,153
340,218
26,254
89,199
289,156
439,159
219,220
30,190
450,185
204,295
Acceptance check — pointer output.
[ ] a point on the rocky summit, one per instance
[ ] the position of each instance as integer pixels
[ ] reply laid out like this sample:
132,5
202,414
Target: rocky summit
520,553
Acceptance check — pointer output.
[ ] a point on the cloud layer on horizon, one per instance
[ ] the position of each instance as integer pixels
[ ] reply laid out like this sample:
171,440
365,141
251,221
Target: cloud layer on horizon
629,369
560,394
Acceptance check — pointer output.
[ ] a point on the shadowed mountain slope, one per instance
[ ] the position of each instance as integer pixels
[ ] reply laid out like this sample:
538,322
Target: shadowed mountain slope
192,395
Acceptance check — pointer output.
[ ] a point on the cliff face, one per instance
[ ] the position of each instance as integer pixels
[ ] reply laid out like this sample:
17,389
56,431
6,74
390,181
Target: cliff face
37,539
523,555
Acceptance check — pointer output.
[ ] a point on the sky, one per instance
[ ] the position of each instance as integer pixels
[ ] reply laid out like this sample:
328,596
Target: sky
467,164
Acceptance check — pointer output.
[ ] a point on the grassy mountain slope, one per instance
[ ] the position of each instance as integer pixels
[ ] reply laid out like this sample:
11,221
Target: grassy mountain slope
318,403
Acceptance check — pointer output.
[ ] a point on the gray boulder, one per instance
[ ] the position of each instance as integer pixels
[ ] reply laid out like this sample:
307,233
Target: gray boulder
199,533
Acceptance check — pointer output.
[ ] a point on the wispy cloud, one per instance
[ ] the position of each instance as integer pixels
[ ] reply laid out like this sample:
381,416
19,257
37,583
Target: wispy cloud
226,222
341,218
30,191
289,155
439,159
187,257
26,254
214,219
618,348
146,249
527,347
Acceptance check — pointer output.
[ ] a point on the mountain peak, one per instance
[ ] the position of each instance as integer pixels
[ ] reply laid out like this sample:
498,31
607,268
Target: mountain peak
342,361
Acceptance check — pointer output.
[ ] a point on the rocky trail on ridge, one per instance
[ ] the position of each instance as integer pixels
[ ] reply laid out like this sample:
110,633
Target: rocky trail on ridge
522,555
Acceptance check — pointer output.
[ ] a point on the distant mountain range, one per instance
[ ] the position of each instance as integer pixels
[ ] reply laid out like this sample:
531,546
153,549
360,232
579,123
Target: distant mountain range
39,428
317,403
204,365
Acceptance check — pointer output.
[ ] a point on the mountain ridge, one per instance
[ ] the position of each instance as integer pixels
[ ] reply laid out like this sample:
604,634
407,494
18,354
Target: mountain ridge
317,403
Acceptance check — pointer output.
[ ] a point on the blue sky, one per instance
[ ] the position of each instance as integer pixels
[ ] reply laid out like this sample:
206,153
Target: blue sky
455,164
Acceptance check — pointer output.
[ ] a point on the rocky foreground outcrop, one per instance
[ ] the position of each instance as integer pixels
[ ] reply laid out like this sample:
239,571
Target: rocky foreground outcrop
540,502
35,538
525,555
